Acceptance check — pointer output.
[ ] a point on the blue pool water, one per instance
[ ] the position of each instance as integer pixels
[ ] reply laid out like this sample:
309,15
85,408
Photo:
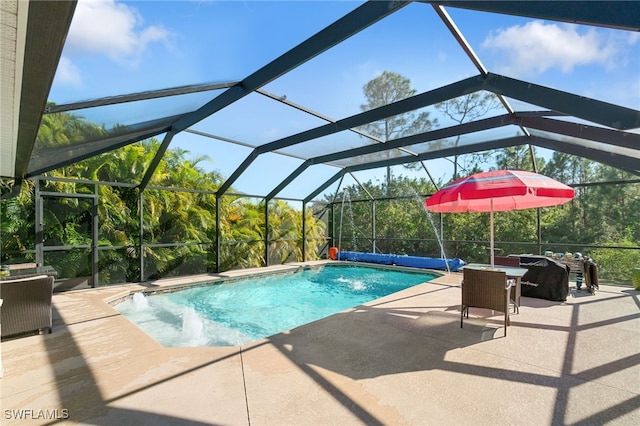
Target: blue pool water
243,311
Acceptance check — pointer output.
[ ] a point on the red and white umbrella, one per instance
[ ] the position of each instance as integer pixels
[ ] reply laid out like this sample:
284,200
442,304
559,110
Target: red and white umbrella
500,190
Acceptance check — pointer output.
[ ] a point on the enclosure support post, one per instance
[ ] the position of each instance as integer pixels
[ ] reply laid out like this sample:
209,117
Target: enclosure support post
266,232
39,226
304,231
95,259
331,226
218,243
373,225
141,225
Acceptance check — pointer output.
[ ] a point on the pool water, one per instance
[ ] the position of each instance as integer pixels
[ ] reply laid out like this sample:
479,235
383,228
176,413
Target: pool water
243,311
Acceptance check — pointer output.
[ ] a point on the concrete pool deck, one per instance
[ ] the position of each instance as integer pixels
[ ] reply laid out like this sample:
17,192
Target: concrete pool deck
398,360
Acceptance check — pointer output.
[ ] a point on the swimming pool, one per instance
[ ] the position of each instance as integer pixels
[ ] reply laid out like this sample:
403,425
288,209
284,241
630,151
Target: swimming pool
239,312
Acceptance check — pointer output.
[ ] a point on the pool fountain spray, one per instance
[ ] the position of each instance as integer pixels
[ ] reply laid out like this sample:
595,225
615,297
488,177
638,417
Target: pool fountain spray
192,326
420,199
347,197
140,301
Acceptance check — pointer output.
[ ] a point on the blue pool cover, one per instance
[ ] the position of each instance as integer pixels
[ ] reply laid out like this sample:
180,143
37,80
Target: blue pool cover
411,261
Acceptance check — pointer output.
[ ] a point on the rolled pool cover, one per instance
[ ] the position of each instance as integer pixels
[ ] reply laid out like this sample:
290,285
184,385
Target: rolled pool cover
354,256
409,261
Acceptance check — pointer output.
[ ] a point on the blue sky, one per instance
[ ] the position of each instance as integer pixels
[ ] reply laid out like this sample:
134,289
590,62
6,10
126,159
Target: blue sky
118,47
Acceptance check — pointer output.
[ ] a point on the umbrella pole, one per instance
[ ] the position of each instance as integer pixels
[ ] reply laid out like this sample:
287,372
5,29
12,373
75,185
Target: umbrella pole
491,245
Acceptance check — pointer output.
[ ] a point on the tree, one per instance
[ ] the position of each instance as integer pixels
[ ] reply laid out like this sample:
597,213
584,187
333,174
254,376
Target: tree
517,158
63,128
575,224
169,217
387,88
465,109
605,214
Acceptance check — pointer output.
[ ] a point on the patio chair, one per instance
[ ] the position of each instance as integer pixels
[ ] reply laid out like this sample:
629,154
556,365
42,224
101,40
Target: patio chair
485,289
512,261
507,261
26,305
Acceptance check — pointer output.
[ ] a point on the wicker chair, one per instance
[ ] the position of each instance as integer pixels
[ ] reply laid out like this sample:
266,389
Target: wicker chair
507,261
516,290
26,305
485,289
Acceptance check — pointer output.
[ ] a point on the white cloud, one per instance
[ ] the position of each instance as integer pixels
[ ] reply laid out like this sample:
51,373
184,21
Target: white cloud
67,73
536,47
113,29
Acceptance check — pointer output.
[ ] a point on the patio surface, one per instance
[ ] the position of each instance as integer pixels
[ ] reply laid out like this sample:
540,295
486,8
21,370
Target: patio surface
399,360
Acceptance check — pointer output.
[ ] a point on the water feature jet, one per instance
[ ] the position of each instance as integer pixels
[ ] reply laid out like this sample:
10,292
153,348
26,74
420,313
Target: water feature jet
192,326
140,301
347,197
